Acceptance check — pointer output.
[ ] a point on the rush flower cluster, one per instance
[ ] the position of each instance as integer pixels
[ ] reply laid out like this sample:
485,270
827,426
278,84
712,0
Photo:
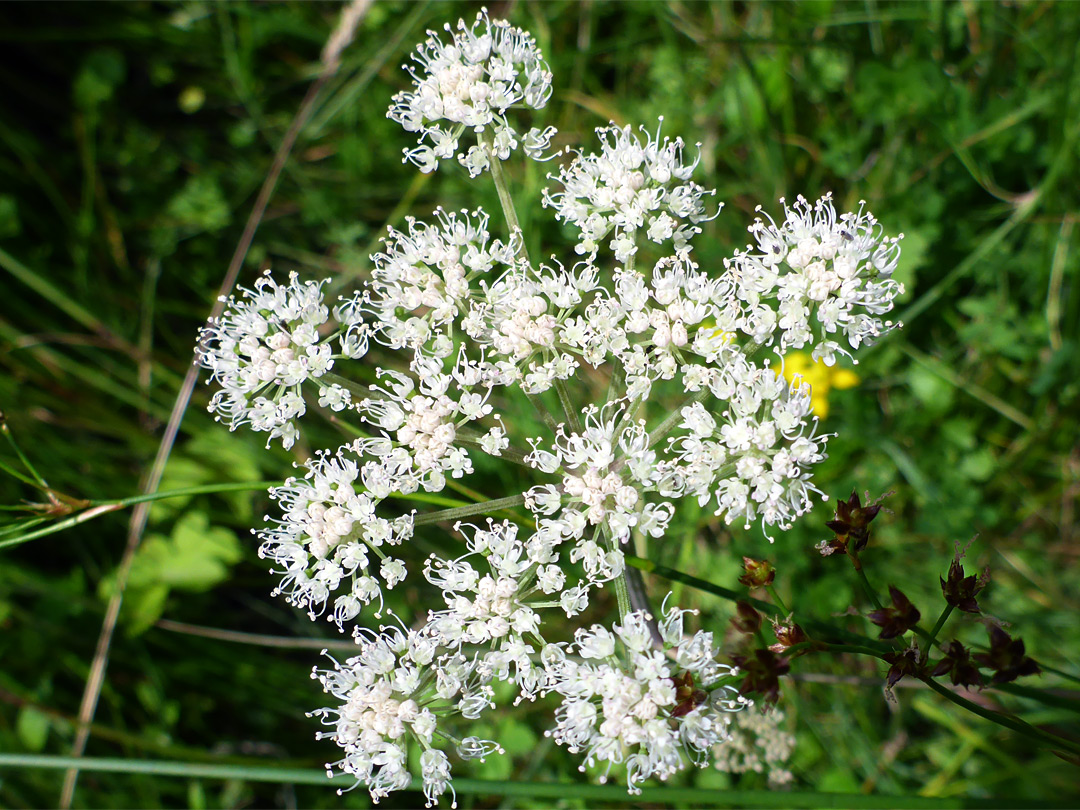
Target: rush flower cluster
457,326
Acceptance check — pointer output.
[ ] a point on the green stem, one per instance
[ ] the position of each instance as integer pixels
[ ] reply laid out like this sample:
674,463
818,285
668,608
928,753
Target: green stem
18,451
932,637
502,187
667,796
673,418
99,508
622,595
776,597
857,563
568,406
506,202
861,645
550,422
1041,695
512,454
358,390
459,512
1014,723
819,628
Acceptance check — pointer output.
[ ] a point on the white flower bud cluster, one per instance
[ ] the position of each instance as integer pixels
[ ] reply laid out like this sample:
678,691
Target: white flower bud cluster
425,279
753,459
630,187
470,83
825,276
265,346
329,538
621,700
493,597
758,744
388,697
606,470
471,323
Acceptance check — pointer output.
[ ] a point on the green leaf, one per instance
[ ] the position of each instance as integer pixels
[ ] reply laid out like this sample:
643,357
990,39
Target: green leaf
194,558
143,607
199,206
32,728
101,73
934,393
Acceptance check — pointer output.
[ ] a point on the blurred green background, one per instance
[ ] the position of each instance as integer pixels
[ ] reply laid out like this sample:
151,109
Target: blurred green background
133,140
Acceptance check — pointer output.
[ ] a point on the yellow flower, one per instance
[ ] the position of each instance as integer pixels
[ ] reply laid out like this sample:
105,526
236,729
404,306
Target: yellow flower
821,378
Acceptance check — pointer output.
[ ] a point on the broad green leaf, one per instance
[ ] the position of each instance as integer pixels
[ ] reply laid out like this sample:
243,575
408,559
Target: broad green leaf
32,728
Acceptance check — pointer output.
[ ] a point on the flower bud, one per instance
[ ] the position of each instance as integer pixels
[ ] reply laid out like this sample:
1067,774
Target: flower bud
746,619
757,573
896,620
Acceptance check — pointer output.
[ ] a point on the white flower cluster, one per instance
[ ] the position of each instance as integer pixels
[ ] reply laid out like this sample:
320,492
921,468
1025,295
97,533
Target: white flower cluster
755,458
629,187
266,346
469,324
823,274
626,702
470,83
397,690
759,744
329,532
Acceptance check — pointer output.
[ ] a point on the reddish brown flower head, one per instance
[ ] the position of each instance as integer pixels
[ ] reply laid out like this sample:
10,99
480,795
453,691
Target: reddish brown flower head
960,591
687,696
896,620
762,671
747,619
852,523
757,573
905,662
788,634
957,664
1007,657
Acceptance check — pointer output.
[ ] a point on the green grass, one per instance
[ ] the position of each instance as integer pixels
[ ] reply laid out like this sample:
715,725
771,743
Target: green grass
134,139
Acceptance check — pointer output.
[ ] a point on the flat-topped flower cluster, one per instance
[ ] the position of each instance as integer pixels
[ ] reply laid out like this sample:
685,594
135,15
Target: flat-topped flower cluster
468,320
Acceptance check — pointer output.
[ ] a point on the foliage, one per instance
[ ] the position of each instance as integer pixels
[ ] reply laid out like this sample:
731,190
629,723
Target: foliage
133,139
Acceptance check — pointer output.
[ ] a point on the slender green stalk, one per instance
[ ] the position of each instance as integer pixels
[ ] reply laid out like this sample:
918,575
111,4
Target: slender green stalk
550,422
622,596
205,489
1041,695
1014,723
99,508
936,629
459,512
857,563
256,639
6,430
471,438
819,628
506,201
776,598
673,418
804,800
357,389
649,567
568,406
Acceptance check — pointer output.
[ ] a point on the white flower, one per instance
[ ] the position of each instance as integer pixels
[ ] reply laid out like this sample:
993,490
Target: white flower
466,324
629,704
826,275
329,537
630,186
264,347
758,743
470,83
388,701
